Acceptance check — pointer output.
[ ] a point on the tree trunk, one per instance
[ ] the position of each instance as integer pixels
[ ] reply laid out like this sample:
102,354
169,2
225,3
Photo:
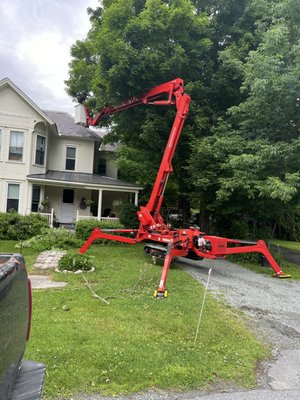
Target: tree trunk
204,221
185,206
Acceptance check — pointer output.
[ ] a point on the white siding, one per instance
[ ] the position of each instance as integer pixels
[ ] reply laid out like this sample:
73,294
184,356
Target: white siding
111,166
84,154
17,115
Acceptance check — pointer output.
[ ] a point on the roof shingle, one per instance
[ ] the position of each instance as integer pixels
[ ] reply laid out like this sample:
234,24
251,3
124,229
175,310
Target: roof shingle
66,125
80,177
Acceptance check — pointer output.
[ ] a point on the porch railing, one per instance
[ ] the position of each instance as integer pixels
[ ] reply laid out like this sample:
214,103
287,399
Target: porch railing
49,216
85,217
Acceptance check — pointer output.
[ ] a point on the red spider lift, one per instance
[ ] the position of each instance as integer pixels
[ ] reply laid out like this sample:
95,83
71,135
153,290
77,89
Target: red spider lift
162,240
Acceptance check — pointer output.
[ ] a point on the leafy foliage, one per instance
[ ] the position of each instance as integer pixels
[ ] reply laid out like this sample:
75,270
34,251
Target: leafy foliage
238,158
290,223
84,228
14,226
75,262
128,217
53,239
133,46
251,162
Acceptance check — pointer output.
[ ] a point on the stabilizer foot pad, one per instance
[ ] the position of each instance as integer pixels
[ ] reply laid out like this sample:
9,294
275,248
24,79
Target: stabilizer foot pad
282,276
160,294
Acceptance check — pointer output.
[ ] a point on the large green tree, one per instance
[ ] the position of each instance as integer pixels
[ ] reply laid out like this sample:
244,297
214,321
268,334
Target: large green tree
134,45
238,154
252,160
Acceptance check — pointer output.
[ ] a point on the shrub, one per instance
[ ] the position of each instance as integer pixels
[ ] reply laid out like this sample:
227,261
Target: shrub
83,229
53,239
71,262
31,225
128,216
7,225
14,226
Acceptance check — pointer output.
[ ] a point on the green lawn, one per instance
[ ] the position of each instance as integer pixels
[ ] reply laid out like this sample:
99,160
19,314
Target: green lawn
136,342
286,244
30,255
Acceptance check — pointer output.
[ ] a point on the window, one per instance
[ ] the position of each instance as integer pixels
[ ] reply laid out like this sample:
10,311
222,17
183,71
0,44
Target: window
0,141
70,158
36,193
101,166
13,192
16,144
68,196
40,150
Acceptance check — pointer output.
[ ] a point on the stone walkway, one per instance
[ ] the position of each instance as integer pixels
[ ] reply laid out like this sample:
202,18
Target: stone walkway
47,260
44,282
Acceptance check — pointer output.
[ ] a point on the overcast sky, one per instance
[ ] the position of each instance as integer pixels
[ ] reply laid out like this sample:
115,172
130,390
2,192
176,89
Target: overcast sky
35,41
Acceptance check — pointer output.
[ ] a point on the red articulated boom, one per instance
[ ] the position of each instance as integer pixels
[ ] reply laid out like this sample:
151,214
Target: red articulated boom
162,240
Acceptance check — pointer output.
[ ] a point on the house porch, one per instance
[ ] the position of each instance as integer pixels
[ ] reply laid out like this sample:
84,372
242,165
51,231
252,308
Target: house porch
72,200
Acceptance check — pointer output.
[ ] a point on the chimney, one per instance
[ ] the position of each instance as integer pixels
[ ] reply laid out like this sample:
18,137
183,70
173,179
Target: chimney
80,117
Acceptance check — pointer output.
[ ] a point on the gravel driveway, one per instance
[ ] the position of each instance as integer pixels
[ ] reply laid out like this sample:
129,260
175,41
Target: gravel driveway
274,307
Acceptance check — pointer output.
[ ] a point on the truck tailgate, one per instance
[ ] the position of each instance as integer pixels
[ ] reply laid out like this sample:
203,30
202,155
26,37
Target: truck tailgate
30,382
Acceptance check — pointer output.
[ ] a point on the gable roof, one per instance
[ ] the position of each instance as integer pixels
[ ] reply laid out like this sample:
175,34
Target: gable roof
62,122
7,82
66,126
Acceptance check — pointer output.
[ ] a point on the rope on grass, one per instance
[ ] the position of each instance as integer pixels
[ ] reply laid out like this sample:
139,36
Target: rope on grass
140,278
202,307
94,294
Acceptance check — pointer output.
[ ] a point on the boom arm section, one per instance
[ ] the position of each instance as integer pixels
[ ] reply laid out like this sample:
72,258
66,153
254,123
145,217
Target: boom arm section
169,93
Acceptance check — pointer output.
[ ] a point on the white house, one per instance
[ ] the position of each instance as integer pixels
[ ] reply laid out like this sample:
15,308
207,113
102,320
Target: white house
49,162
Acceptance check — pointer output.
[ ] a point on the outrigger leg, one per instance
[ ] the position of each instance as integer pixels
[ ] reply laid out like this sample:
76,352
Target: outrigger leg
161,292
101,234
259,247
265,251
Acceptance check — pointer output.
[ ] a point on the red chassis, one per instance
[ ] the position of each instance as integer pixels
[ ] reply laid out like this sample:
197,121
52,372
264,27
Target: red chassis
162,240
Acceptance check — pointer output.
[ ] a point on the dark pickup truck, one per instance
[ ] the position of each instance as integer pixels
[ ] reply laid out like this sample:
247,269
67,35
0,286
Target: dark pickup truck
19,379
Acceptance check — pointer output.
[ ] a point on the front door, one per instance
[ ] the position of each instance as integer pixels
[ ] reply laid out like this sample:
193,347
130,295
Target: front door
68,210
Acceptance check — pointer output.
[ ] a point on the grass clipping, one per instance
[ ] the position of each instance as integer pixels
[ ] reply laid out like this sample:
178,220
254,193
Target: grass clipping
136,342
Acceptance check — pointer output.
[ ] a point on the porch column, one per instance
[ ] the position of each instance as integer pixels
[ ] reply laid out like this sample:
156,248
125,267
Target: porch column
42,194
29,199
99,204
136,197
